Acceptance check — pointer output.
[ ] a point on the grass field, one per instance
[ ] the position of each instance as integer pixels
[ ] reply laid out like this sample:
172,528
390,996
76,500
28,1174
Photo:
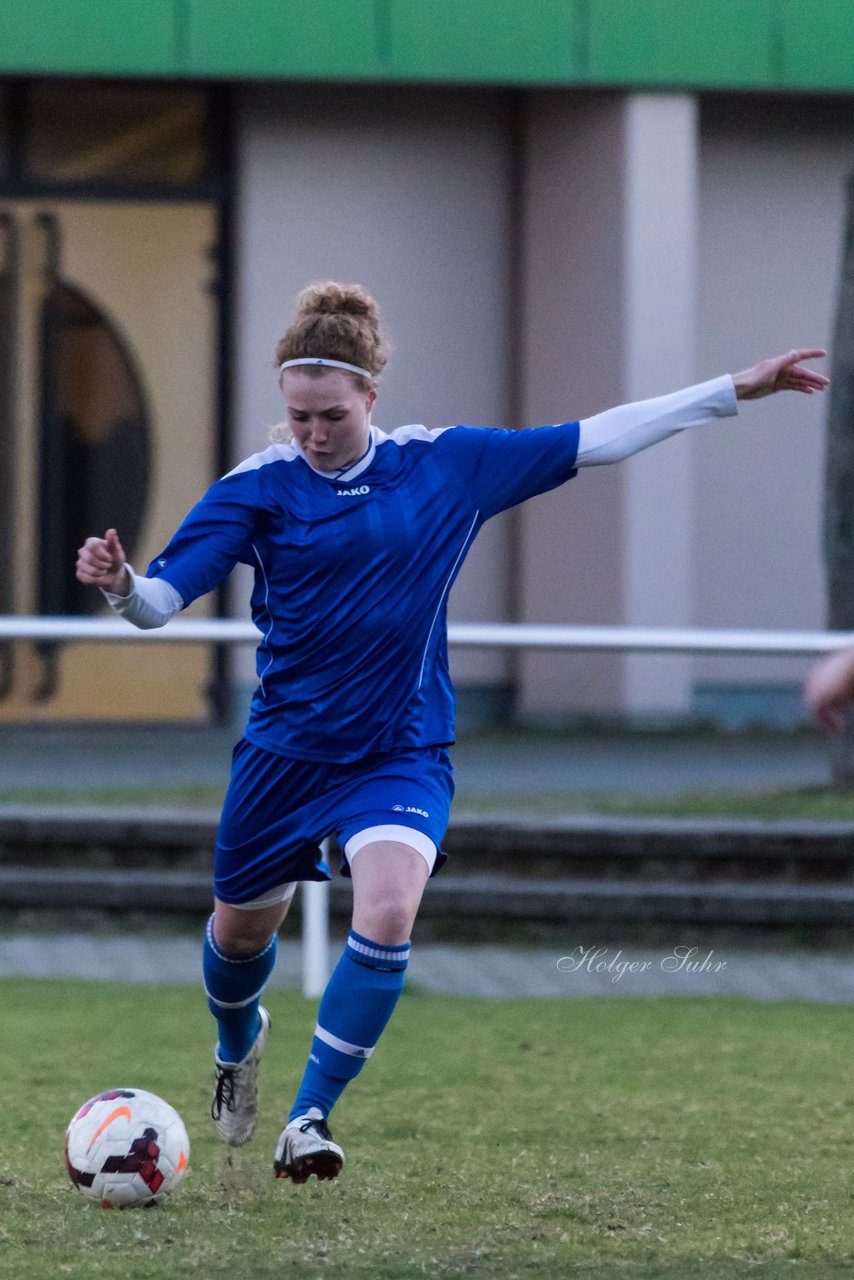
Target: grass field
633,1137
820,803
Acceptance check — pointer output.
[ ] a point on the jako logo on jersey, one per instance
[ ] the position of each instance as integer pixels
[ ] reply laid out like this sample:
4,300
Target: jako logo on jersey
409,808
354,493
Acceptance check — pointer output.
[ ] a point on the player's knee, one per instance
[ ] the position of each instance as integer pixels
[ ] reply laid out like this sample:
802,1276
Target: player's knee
244,931
388,921
242,937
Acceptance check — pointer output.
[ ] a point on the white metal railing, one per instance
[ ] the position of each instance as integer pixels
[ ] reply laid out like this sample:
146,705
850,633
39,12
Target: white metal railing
471,635
479,635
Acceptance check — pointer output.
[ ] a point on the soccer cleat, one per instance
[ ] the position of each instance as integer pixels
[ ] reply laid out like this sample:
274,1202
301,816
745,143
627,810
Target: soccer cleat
234,1109
306,1148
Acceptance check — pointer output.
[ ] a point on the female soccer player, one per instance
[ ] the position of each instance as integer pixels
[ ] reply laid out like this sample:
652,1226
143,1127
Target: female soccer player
355,538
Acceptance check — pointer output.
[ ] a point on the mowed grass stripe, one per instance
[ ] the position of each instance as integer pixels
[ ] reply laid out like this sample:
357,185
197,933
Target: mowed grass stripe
816,803
651,1137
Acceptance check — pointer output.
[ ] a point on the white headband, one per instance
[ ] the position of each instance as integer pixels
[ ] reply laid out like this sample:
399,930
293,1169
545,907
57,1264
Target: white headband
331,364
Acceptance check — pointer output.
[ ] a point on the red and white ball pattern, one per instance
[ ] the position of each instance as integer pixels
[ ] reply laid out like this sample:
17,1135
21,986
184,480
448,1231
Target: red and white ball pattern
126,1148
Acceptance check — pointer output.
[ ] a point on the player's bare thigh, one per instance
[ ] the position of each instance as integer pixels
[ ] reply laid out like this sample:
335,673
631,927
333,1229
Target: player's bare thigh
388,881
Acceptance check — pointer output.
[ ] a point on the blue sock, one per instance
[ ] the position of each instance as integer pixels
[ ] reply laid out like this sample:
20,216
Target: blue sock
358,1001
233,985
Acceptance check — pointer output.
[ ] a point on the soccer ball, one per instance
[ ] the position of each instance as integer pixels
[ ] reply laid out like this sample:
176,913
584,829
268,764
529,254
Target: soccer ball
126,1148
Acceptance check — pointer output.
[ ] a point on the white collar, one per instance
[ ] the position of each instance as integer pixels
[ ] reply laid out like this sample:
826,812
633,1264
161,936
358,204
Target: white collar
355,469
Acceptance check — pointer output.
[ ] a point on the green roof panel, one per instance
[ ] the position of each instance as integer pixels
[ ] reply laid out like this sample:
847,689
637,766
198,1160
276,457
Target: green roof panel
818,44
726,43
279,39
90,37
692,44
503,41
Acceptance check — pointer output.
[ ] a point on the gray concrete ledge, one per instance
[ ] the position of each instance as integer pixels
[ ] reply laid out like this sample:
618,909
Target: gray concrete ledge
575,968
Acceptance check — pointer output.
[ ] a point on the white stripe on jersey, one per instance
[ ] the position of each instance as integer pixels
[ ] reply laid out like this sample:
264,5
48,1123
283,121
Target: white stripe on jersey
402,435
269,613
289,451
445,589
275,453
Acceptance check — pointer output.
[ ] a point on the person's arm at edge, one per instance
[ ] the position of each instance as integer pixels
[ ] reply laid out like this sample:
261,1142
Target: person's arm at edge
829,690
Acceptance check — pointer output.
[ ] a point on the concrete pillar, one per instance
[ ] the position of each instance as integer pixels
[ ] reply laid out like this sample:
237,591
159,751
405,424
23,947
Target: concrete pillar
609,235
660,230
571,364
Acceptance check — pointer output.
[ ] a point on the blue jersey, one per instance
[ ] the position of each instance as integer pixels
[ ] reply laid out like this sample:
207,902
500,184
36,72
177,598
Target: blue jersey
352,575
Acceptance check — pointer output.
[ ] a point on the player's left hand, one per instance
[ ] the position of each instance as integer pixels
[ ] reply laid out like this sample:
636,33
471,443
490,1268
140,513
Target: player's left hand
780,373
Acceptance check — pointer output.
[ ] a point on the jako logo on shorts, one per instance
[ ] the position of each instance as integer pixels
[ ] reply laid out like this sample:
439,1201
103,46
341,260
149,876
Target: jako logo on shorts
409,808
354,493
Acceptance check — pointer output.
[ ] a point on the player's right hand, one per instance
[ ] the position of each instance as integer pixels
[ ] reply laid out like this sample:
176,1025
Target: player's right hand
101,563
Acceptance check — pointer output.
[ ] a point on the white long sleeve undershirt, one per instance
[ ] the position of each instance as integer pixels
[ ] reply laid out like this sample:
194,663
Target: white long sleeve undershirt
618,433
151,603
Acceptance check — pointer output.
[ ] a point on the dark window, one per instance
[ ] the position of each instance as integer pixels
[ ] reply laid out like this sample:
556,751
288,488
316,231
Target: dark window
104,139
116,133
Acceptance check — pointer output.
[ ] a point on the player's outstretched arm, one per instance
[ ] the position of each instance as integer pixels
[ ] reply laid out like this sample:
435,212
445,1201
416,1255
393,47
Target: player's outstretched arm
829,690
618,433
781,373
101,562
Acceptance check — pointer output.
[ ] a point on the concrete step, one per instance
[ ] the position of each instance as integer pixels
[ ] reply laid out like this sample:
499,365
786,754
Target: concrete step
576,844
500,896
572,868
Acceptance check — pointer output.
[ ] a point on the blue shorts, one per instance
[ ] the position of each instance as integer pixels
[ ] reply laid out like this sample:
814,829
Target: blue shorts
277,811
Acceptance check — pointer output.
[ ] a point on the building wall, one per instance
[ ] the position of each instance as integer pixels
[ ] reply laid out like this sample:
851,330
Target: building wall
665,244
770,241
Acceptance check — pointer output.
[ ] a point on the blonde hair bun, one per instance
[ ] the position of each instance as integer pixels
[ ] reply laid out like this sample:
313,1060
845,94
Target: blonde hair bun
336,322
331,298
